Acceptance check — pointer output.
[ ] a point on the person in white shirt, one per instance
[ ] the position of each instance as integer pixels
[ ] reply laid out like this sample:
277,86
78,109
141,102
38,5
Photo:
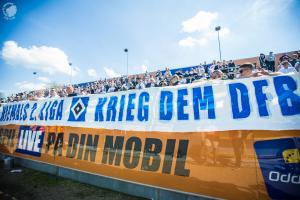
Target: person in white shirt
39,95
140,84
287,68
280,66
200,70
100,89
152,82
53,94
124,87
168,74
112,87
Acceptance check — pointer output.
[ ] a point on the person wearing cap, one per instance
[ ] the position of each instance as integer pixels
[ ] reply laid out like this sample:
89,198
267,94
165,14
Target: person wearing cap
284,57
286,68
280,66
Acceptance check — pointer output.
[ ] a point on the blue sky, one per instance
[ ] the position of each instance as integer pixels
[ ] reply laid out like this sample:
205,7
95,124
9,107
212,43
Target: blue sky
44,36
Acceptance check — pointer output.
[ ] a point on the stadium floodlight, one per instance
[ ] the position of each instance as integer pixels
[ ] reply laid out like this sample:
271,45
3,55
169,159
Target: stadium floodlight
218,28
34,76
71,74
126,51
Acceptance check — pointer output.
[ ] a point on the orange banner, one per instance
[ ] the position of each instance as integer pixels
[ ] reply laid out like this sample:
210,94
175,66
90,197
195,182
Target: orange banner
220,164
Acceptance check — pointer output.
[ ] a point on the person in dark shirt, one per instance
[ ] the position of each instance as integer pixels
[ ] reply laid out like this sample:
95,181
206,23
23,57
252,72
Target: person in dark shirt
294,59
70,91
262,61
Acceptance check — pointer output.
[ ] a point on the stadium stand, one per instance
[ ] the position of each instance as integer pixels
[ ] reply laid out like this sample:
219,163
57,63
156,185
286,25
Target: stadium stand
270,64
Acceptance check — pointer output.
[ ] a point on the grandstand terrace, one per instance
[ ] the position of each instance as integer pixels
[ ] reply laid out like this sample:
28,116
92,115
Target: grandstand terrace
164,77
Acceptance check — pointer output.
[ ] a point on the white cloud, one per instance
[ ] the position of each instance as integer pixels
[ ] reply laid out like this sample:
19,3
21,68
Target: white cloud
29,86
41,82
141,68
43,58
43,79
75,70
190,42
111,73
2,94
92,73
261,9
144,68
203,24
200,22
204,39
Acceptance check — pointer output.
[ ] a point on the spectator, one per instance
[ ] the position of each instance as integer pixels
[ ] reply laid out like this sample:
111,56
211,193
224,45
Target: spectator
217,75
84,91
224,67
212,67
216,70
281,65
246,71
140,84
112,87
167,75
287,68
284,57
200,72
186,76
294,59
39,95
30,97
70,91
100,89
61,93
53,94
262,61
163,83
201,69
158,73
270,61
297,66
175,80
151,82
231,69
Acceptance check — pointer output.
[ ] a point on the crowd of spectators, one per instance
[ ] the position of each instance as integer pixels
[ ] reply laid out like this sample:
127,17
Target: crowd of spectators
216,70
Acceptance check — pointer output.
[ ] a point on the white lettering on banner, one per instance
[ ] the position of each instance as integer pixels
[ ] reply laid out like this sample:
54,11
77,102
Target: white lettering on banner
263,103
29,140
284,178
